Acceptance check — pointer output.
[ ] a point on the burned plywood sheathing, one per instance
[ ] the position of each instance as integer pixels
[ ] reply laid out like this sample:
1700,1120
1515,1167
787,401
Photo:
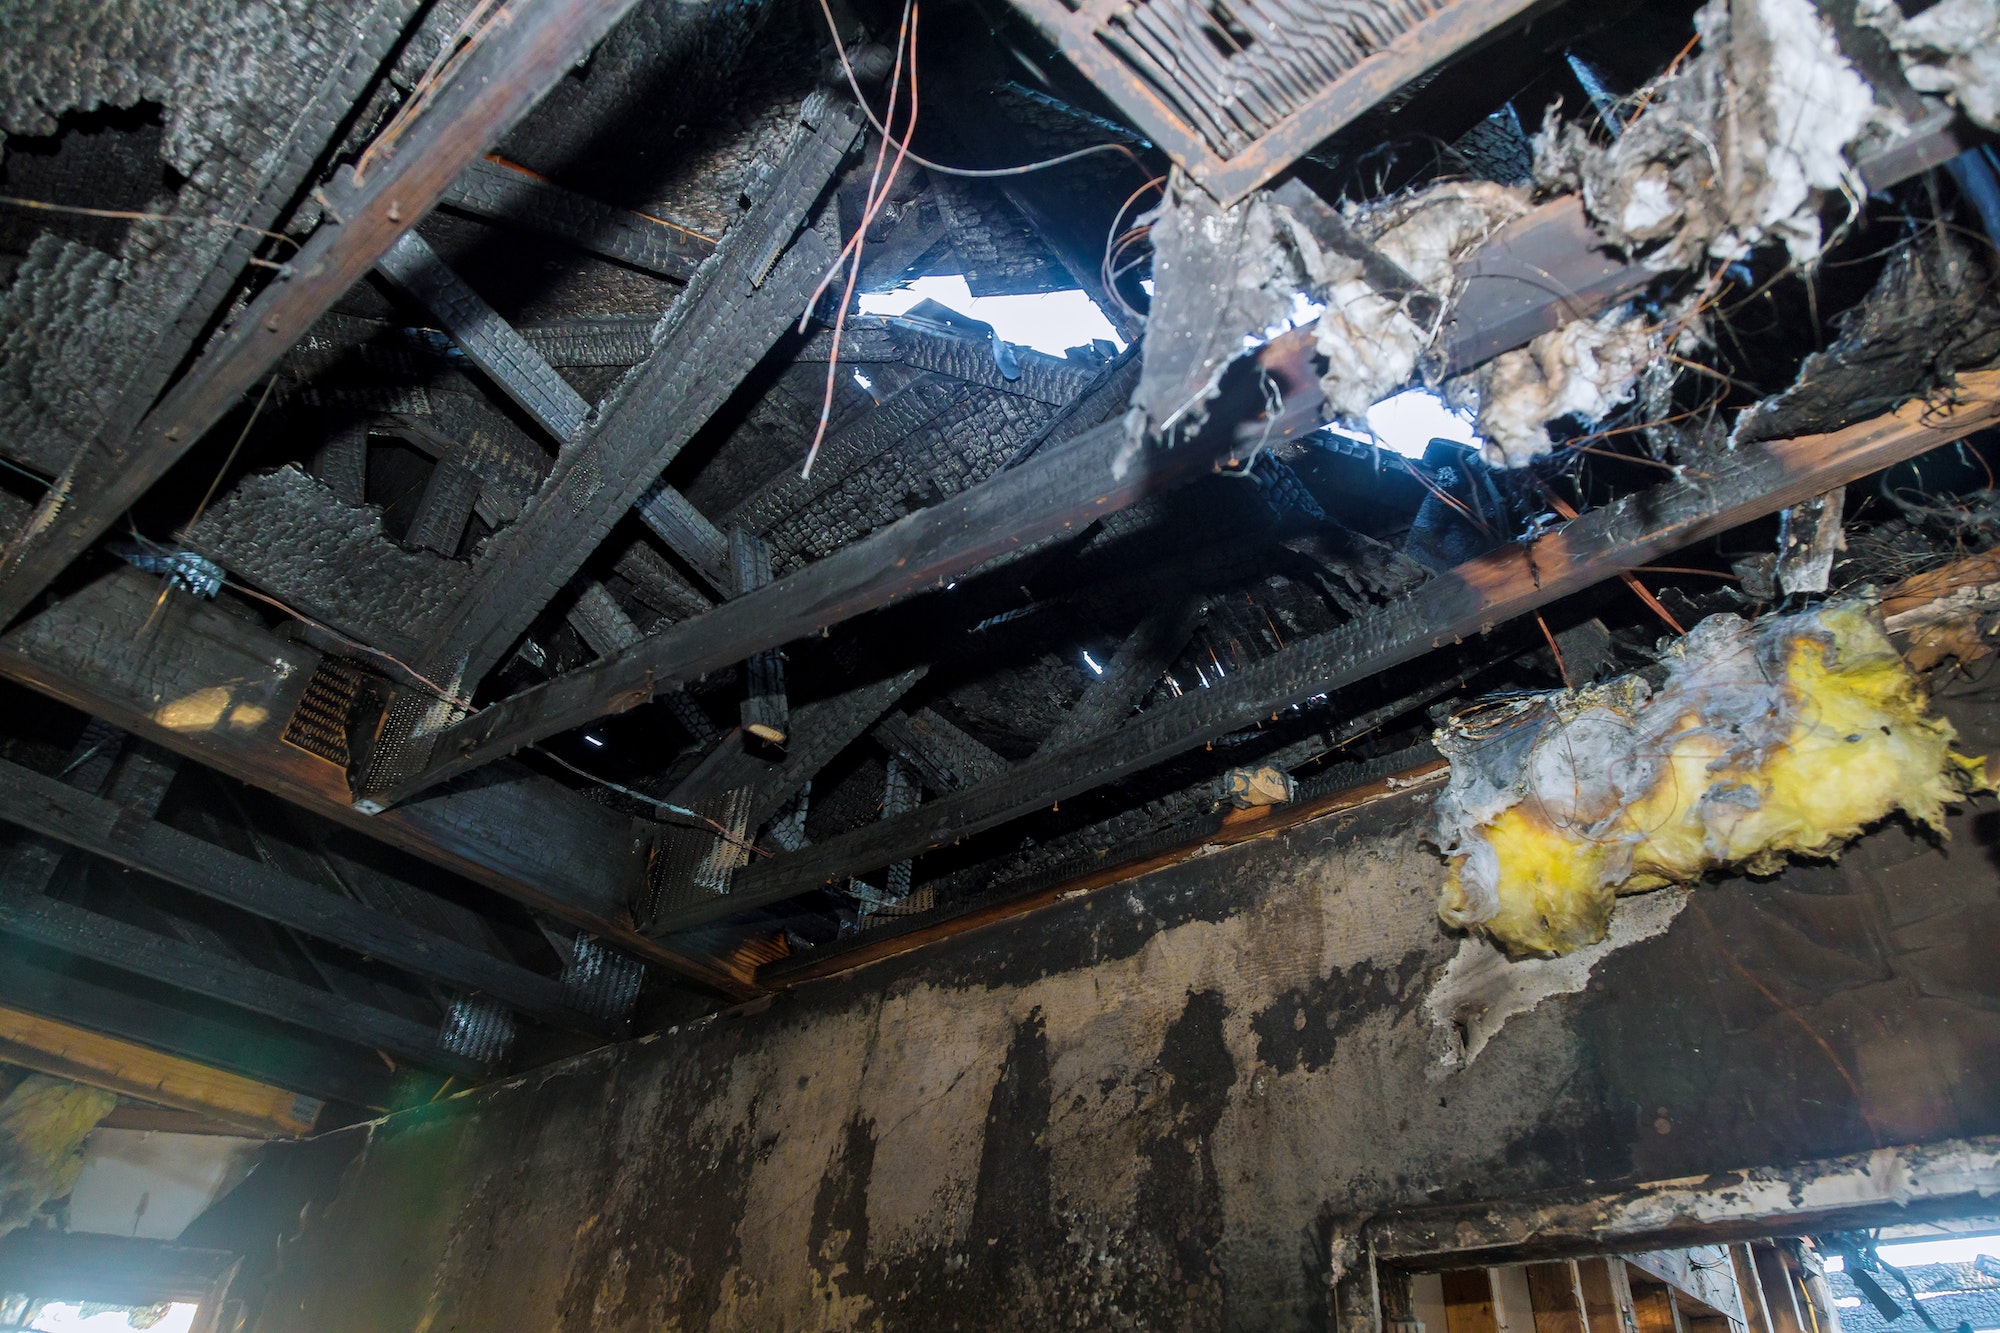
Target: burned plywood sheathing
1237,93
498,80
90,337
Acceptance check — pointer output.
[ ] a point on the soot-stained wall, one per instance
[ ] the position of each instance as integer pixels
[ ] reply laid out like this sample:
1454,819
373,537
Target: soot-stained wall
1148,1107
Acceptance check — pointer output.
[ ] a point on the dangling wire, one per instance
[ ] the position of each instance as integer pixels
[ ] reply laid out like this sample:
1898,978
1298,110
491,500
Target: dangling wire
878,194
855,84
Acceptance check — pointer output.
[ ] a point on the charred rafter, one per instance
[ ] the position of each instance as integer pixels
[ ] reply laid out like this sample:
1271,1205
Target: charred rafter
736,307
215,688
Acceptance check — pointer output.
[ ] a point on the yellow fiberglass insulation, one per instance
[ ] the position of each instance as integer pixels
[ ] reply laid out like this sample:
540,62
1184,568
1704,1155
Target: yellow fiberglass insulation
1785,735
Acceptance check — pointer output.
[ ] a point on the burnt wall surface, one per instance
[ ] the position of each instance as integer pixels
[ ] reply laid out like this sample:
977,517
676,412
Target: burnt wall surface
1149,1107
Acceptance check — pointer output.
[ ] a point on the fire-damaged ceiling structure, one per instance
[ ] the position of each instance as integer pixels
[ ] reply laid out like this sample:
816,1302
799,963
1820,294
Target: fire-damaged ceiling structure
484,572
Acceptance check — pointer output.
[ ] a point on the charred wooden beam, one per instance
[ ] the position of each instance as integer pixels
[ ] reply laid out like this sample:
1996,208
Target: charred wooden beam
765,713
503,192
487,340
1468,600
1063,490
738,305
218,689
444,508
1140,660
741,790
688,534
599,621
341,463
516,57
535,386
943,756
135,1010
171,962
104,828
820,731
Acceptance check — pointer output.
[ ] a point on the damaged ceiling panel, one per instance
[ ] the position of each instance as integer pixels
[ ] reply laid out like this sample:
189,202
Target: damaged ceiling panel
492,504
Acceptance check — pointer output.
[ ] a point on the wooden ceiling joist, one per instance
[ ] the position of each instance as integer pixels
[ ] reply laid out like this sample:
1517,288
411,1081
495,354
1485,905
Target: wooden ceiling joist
95,1060
110,942
1061,491
136,1010
739,303
104,828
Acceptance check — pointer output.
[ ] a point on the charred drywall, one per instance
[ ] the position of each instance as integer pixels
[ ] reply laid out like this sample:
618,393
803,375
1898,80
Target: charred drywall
1147,1107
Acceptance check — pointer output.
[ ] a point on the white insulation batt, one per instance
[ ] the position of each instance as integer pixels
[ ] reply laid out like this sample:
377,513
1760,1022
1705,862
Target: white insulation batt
1370,343
1583,369
1733,148
1781,736
1951,49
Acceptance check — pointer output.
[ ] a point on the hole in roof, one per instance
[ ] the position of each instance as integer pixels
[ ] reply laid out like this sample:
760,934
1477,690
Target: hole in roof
1049,322
1407,422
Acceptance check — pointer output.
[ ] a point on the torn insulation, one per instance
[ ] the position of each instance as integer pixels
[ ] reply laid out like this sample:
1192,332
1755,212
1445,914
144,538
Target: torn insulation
1584,369
1371,343
1782,736
1730,150
1951,48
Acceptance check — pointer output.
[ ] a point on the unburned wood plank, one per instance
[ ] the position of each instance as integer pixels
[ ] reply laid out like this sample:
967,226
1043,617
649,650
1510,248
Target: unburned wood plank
1468,1301
98,1061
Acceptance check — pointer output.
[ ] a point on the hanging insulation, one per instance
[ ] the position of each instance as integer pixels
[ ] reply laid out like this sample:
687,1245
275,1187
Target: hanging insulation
1782,736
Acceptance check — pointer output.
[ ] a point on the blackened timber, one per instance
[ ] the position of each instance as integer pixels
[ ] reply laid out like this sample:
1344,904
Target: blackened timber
1470,599
687,532
820,731
598,619
765,712
119,1005
848,449
658,584
733,311
521,372
512,61
444,508
114,943
503,192
1063,490
487,340
944,757
47,806
218,689
1140,660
